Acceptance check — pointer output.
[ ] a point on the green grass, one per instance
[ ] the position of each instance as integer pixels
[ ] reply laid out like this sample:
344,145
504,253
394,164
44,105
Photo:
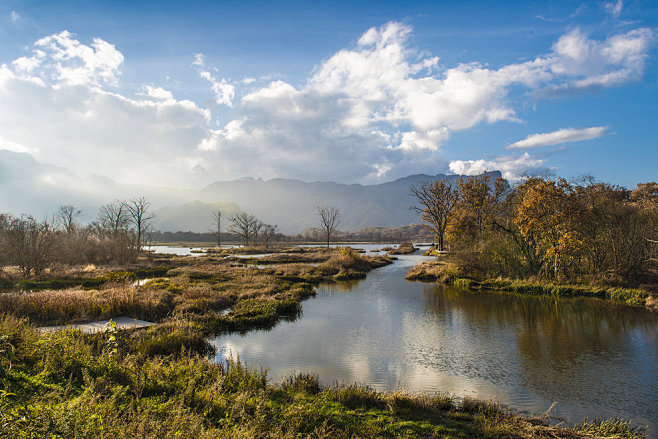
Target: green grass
155,384
58,283
441,271
626,296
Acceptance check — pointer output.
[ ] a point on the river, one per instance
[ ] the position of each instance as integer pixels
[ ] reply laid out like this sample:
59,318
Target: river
590,357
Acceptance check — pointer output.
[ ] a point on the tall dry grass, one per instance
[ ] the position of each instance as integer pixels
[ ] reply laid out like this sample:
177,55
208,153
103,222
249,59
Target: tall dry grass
54,307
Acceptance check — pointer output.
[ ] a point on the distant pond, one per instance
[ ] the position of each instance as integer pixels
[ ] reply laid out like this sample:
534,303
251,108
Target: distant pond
590,357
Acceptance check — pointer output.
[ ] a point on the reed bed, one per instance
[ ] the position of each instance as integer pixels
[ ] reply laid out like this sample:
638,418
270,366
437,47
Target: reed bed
55,307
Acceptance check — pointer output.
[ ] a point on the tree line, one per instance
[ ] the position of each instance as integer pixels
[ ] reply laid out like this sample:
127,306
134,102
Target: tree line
544,227
117,235
250,229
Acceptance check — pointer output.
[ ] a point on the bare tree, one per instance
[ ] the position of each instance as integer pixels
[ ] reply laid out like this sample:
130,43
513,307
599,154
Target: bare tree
267,233
329,220
257,227
5,221
140,217
114,216
217,225
66,216
243,225
28,244
437,201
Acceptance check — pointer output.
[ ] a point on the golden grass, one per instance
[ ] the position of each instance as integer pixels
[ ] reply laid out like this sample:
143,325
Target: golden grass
78,305
196,287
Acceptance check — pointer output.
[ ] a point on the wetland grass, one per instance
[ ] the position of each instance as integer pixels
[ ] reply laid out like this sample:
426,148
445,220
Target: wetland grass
159,382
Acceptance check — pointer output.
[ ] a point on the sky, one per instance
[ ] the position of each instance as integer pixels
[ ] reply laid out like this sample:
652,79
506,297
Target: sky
186,93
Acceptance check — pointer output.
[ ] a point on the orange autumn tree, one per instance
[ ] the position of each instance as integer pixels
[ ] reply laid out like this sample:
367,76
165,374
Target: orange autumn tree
544,217
477,208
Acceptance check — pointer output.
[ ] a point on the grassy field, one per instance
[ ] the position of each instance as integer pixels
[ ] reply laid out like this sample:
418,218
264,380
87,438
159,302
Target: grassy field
159,382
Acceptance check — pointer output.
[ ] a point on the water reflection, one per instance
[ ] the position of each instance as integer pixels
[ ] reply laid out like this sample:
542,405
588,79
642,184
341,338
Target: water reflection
592,357
582,353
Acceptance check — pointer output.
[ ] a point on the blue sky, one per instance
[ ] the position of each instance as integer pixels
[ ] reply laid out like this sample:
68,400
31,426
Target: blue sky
186,93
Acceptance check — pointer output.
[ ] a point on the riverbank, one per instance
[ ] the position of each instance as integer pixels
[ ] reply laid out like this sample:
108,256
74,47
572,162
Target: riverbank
444,272
71,384
159,382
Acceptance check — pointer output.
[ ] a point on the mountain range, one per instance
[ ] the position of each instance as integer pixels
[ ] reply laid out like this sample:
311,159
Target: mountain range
30,187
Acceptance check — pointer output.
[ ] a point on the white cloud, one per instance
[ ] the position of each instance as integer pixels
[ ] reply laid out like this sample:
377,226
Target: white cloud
589,63
69,120
14,17
60,58
375,111
512,168
224,91
562,19
158,93
199,60
564,135
9,145
383,86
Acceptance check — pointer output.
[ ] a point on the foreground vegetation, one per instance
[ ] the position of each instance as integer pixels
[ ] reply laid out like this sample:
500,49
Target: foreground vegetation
70,384
159,382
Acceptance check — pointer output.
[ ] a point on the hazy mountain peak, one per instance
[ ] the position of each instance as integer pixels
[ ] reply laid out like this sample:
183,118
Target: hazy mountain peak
28,186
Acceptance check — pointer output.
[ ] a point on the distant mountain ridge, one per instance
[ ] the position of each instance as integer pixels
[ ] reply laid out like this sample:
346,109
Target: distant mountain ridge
292,203
27,186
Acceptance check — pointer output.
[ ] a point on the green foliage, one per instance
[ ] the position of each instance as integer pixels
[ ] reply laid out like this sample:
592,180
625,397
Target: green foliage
462,282
302,382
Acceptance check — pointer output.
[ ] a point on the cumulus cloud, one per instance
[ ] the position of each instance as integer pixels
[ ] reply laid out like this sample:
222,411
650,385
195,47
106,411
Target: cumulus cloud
377,106
512,168
594,64
53,104
375,111
60,58
9,145
564,135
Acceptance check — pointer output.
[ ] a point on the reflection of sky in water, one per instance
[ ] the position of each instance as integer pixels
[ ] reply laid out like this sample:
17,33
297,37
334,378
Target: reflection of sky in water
179,251
373,249
593,358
